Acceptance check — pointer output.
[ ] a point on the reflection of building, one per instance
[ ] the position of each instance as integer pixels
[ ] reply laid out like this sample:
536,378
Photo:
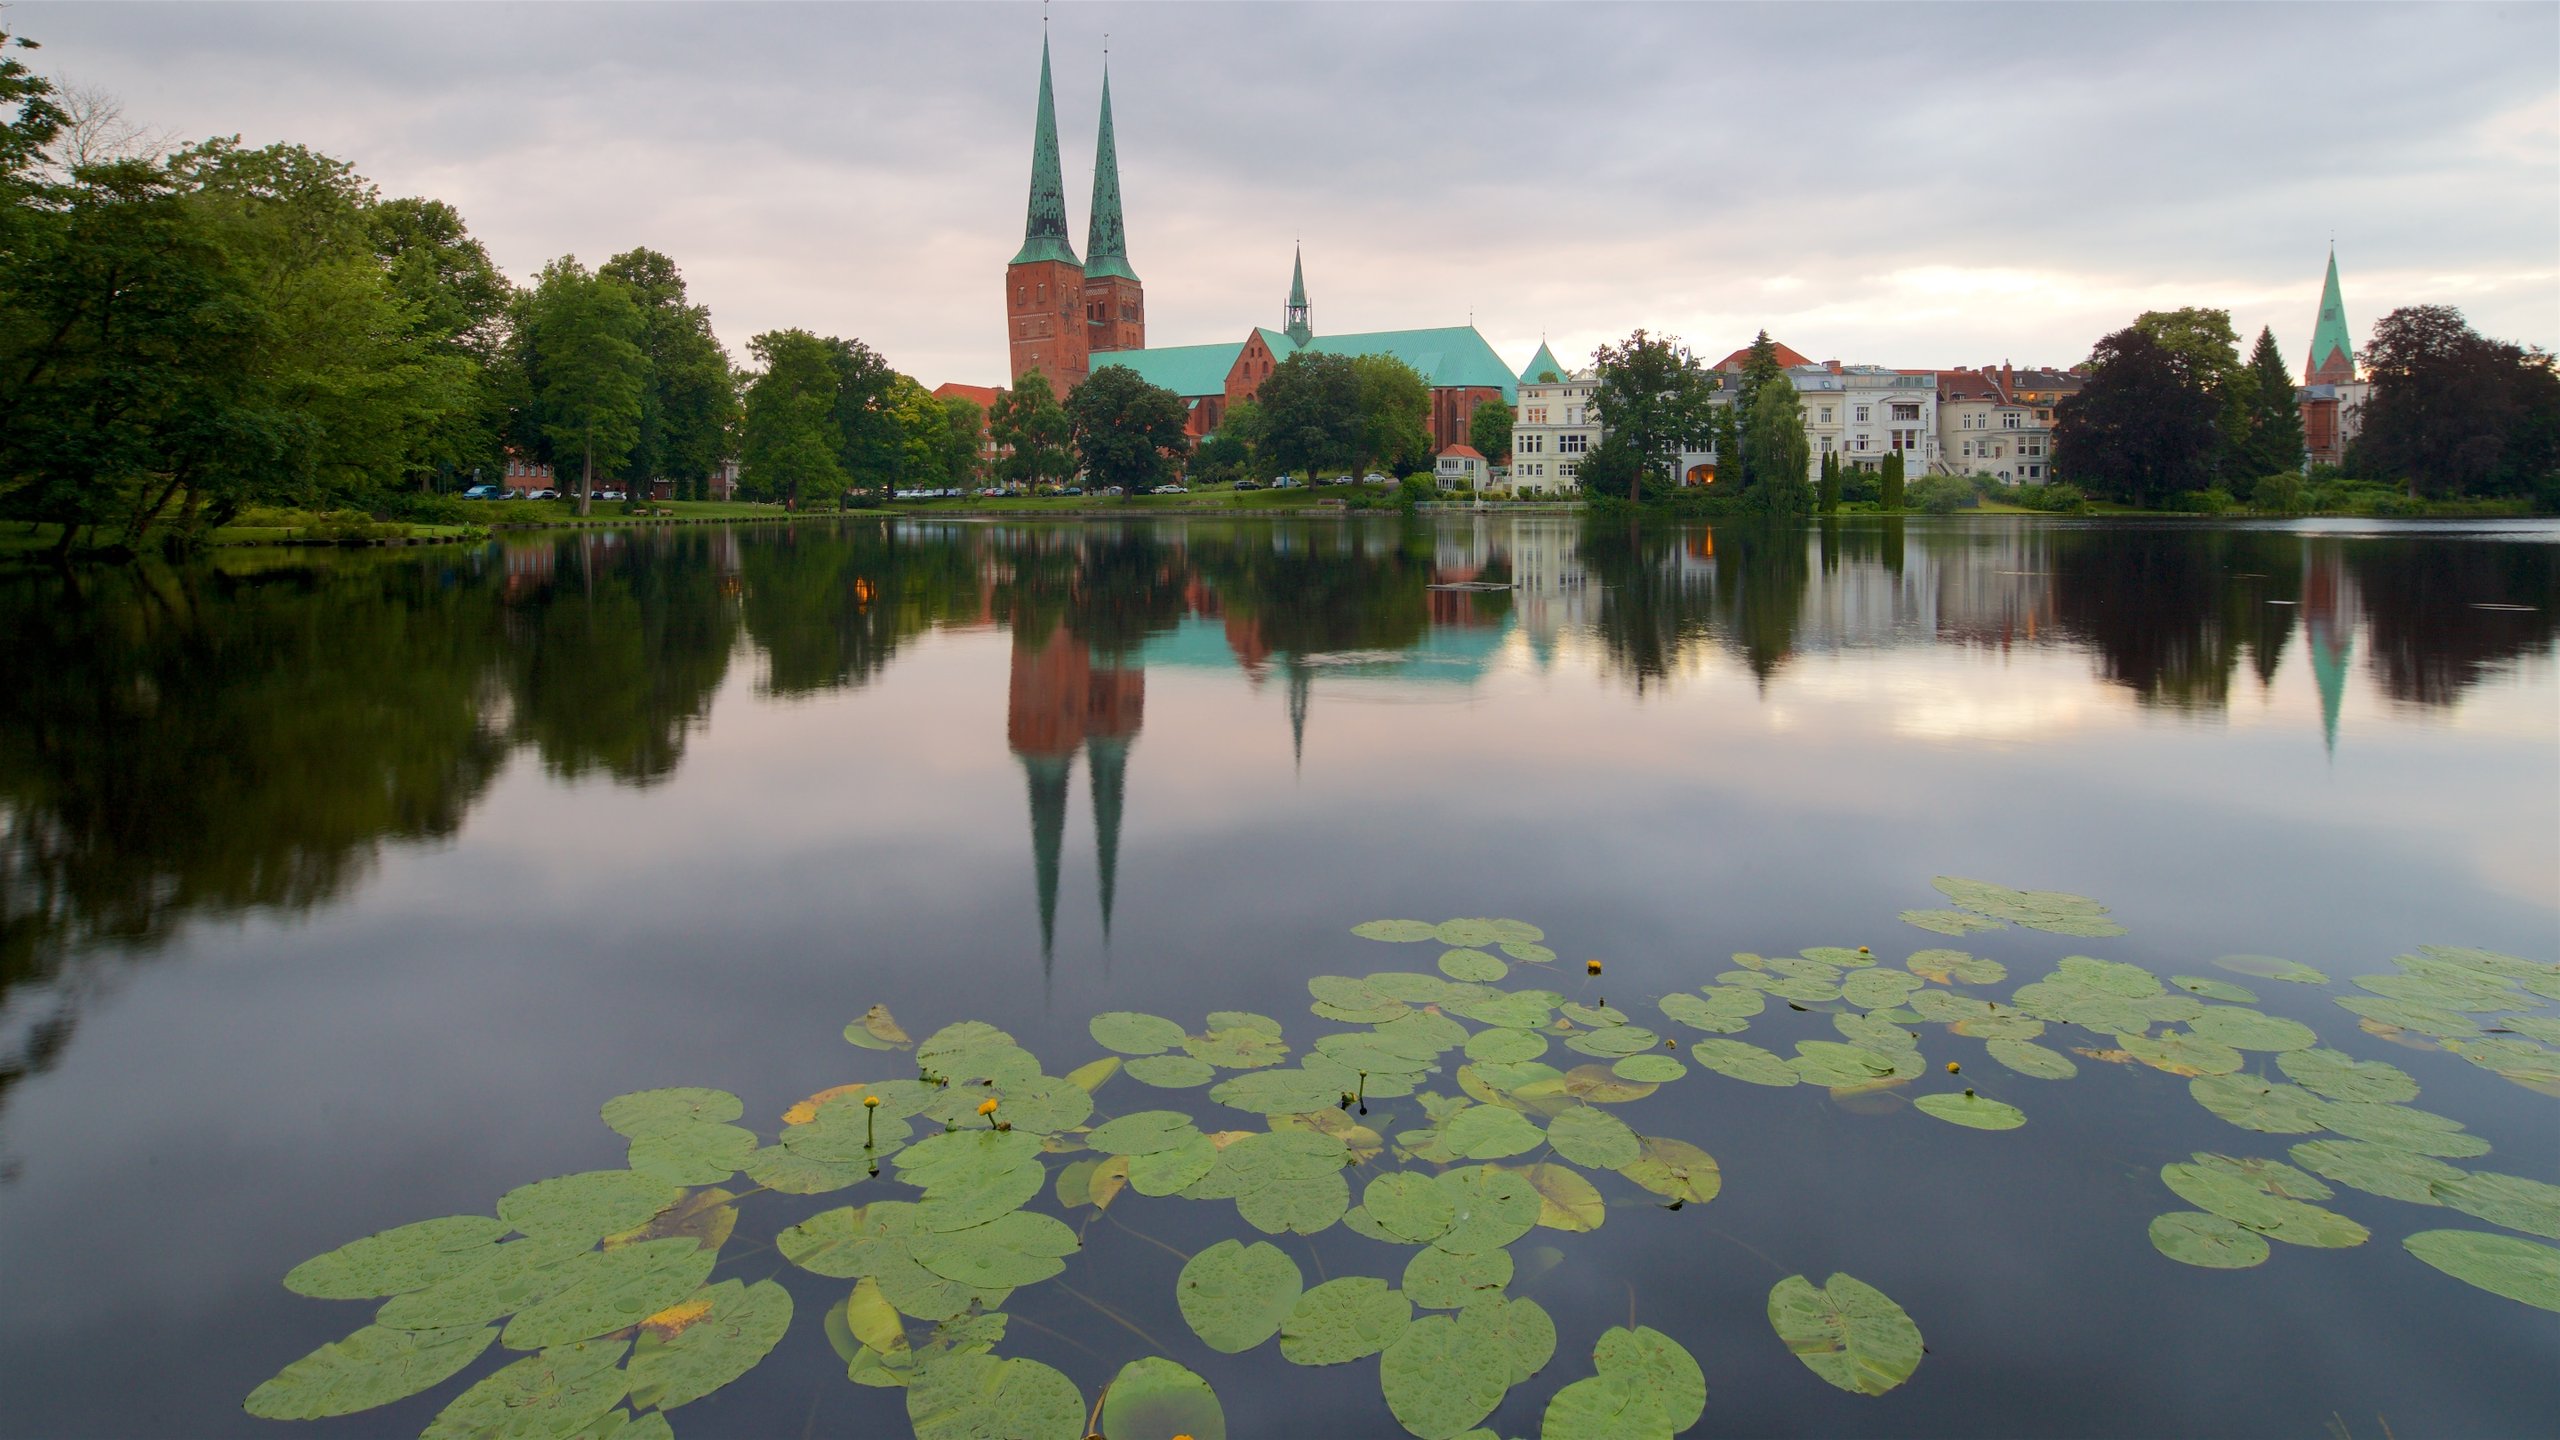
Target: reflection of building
1056,701
2329,623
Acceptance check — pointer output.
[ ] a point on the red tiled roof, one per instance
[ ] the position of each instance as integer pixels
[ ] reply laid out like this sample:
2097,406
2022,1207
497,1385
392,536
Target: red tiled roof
1464,452
984,395
1738,358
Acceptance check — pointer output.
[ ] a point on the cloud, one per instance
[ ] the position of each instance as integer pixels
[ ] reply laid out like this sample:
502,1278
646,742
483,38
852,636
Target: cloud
1908,185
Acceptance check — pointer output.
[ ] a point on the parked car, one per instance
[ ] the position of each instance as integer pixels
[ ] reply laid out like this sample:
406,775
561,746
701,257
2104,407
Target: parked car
1285,482
1169,490
1339,480
610,495
1072,490
1374,478
1247,484
1111,490
485,492
545,493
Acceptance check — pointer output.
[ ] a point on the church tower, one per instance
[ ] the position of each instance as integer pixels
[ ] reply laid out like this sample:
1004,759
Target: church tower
1115,304
2333,355
1297,317
1044,286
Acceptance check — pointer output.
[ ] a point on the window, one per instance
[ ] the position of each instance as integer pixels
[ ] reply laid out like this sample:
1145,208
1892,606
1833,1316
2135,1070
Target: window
1826,414
1906,439
1567,469
1862,418
1906,410
1826,444
1537,416
1968,449
1573,414
1860,444
2032,472
1574,444
2009,419
2031,446
1529,444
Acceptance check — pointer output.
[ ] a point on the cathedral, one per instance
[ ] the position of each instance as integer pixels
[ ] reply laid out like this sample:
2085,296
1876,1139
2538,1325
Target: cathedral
1064,317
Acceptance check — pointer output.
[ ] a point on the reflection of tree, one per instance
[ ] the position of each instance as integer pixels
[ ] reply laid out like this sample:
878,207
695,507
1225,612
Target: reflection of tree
210,742
832,608
2422,602
1761,572
1647,609
1324,593
1128,585
2151,603
619,656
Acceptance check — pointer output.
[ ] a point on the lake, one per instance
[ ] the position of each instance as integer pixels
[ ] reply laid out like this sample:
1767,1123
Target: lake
341,889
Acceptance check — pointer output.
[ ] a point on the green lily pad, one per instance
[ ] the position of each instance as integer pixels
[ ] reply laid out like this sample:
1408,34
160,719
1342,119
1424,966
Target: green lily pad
1171,1072
585,1207
1594,1138
2421,1132
1291,1091
694,1155
1675,1170
2268,967
2541,1027
1494,1207
1443,1375
1955,967
1238,1047
1532,954
1143,1133
960,1396
2253,1030
1400,930
610,1289
2343,1077
789,1171
2212,989
1410,1206
1170,1172
1841,1066
1234,1295
2270,1177
643,1112
1438,1279
2048,910
2383,1170
1878,989
1490,1132
1950,922
2032,1060
1650,1069
742,1326
1343,1320
1506,1009
1971,1111
1472,965
2241,1202
2510,1200
1021,1248
2432,1020
1613,1041
2180,1053
2515,1059
877,1029
2449,990
506,1279
2254,1104
1647,1385
1714,1019
2520,1270
394,1261
1741,1060
1848,1332
1155,1399
2209,1241
1133,1032
374,1366
561,1391
1506,1046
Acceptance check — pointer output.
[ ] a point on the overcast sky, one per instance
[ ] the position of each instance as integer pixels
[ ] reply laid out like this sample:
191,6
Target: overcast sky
1912,185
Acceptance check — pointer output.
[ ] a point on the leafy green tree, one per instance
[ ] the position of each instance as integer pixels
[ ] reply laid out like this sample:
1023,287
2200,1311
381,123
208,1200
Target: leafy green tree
1311,412
1760,368
964,435
1221,458
1126,430
1612,469
590,373
458,302
2274,441
1779,455
688,410
1889,478
874,433
790,444
921,435
1489,431
2204,339
1653,394
2455,413
1032,427
1829,499
1395,413
1245,423
2143,428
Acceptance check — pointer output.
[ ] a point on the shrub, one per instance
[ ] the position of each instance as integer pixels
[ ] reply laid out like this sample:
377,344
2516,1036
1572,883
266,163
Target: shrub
2278,494
2201,502
1939,494
2057,498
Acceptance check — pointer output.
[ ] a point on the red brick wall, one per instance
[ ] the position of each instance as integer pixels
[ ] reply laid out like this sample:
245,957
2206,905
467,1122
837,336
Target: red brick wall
1115,312
1453,409
1044,322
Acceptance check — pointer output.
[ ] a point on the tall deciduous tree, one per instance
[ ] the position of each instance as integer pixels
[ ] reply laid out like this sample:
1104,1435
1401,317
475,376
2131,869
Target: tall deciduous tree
1395,413
1311,412
1489,431
2143,427
790,444
688,409
964,437
2274,442
2210,349
1652,393
2453,412
458,301
1126,430
589,373
1033,427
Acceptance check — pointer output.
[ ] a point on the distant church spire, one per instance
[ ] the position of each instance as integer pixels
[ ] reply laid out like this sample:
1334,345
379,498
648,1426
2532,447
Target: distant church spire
1106,245
1044,230
1297,318
2333,354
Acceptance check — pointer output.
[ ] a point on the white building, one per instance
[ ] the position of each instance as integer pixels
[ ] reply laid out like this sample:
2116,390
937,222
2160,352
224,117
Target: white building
1863,413
1986,428
1552,430
1460,467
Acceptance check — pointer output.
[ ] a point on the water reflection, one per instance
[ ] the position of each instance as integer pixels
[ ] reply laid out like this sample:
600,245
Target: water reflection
248,736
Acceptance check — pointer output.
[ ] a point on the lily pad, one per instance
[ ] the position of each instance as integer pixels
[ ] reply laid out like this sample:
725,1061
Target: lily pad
2237,1200
2193,1238
979,1396
1841,1066
1234,1295
1343,1320
1647,1386
586,1206
1613,1041
1955,967
1878,989
1409,1206
561,1391
1133,1032
1505,1046
1675,1170
2212,989
2254,1104
611,1289
2270,1177
739,1326
1566,1201
1472,965
1972,1111
1143,1133
1950,922
394,1261
1021,1248
644,1112
1848,1332
2510,1200
1291,1091
1438,1279
1237,1047
2032,1060
1490,1132
2409,1015
2268,967
1155,1399
2048,910
694,1155
2180,1053
1494,1207
495,1285
2252,1030
1741,1060
374,1366
1171,1072
2343,1077
876,1030
1532,954
1442,1375
2383,1170
1594,1138
2520,1270
1715,1019
1400,930
1650,1069
2421,1132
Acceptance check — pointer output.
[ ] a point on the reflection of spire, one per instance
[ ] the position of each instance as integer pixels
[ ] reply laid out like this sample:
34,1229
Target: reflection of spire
2330,653
2331,632
1301,689
1110,776
1049,778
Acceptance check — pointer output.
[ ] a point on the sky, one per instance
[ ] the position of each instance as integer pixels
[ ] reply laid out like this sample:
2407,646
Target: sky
1910,185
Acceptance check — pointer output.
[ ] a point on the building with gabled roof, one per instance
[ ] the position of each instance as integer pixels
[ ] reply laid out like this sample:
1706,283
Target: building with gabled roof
1788,358
1543,366
2333,354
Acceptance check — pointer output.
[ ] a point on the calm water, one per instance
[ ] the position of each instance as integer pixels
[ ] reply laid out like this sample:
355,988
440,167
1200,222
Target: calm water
339,891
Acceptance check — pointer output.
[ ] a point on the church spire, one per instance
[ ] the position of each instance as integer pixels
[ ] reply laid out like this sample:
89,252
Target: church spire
1297,318
1044,231
1106,244
2333,354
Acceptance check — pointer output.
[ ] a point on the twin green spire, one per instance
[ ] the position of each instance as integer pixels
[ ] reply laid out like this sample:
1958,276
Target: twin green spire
1044,229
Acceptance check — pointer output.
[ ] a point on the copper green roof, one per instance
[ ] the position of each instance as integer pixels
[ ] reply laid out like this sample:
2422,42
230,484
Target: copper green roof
1106,246
1448,358
1543,363
1190,371
1299,319
1044,231
2330,345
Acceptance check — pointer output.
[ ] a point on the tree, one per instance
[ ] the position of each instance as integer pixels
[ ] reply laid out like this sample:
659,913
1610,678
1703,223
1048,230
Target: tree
789,441
1489,431
2204,339
1652,392
2142,429
1889,479
1774,443
1311,412
1395,413
688,407
458,301
964,437
2453,412
1221,457
1829,499
1760,367
1028,421
1245,423
1126,430
1611,468
591,372
2274,441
